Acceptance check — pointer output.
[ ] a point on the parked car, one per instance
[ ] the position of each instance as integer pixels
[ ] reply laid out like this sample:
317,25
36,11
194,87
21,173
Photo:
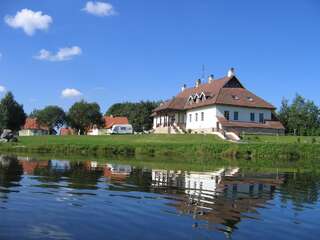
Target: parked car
122,129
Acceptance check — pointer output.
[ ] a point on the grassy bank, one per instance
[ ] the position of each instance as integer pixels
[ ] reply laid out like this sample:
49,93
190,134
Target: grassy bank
178,147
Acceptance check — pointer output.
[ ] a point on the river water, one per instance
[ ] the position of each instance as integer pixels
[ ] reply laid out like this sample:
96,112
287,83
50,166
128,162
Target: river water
61,199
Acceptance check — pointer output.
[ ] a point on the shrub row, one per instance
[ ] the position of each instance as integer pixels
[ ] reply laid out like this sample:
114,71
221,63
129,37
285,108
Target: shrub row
275,151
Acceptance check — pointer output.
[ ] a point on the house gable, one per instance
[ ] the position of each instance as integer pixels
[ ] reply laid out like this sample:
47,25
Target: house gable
233,83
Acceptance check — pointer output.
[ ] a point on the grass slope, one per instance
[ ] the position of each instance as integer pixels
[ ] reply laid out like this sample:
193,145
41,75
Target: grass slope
181,147
121,139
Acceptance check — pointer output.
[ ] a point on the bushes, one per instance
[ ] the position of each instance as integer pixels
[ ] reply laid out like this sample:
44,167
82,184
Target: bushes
178,150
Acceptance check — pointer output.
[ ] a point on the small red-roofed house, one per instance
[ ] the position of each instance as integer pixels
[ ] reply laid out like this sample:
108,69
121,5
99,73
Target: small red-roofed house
108,123
33,128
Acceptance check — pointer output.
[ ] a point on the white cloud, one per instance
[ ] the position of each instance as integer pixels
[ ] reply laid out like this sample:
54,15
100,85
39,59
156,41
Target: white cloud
70,93
2,89
100,9
29,21
63,54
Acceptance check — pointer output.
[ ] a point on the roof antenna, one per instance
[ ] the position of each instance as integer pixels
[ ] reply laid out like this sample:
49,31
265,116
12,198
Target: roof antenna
203,72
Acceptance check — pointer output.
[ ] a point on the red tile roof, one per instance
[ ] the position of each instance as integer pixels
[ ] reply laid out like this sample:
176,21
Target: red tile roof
220,92
267,125
32,123
109,121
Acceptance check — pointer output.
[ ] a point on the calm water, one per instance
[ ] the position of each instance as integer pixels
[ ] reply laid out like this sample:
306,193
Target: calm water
60,199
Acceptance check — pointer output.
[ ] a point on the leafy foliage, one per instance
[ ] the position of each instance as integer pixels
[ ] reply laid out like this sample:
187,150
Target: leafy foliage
51,116
83,115
301,117
139,114
12,115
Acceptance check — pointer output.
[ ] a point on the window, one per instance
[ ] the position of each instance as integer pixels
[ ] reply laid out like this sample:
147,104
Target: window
226,115
190,117
196,117
236,116
234,97
202,116
250,99
261,117
252,117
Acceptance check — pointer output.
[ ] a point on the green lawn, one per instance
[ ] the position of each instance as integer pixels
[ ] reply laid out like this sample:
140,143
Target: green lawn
120,139
280,139
158,139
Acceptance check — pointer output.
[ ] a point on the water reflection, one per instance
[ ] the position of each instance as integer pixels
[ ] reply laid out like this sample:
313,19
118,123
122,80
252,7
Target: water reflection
217,201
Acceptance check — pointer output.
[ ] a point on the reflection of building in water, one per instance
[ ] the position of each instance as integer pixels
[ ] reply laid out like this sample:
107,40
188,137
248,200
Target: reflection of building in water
117,171
60,165
218,197
30,166
194,183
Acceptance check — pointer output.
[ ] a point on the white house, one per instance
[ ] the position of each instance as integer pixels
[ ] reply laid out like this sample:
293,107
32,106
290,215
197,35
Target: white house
223,106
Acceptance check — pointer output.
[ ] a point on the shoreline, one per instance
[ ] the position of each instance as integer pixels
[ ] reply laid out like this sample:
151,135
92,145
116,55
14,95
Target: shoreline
182,147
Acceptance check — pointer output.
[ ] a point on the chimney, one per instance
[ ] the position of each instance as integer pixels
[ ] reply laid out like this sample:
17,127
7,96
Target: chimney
210,78
198,82
183,87
231,72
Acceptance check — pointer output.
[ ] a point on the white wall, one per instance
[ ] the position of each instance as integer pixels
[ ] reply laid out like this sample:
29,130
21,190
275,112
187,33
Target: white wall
212,112
244,113
209,118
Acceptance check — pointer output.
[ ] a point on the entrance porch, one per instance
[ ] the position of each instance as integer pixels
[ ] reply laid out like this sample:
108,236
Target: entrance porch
169,122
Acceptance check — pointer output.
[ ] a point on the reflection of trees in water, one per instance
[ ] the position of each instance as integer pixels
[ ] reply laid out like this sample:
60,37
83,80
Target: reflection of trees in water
80,176
10,171
137,178
140,177
300,188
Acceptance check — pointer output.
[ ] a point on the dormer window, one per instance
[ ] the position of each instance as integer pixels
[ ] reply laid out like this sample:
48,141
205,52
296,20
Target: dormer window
250,99
190,99
202,96
235,97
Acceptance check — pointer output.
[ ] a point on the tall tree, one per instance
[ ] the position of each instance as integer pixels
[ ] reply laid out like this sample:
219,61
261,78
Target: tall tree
301,117
83,115
137,113
283,114
12,115
51,116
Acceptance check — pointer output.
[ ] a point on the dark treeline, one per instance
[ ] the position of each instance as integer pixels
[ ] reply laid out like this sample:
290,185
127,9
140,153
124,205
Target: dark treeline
81,116
300,117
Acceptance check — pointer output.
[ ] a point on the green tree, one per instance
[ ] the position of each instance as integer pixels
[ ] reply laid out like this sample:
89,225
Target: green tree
12,115
138,114
83,115
51,116
301,117
283,114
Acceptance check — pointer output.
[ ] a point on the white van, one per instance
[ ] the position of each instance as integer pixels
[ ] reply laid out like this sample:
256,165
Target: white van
122,129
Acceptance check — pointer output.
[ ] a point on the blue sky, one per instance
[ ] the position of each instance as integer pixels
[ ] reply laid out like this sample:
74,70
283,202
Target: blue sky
146,50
